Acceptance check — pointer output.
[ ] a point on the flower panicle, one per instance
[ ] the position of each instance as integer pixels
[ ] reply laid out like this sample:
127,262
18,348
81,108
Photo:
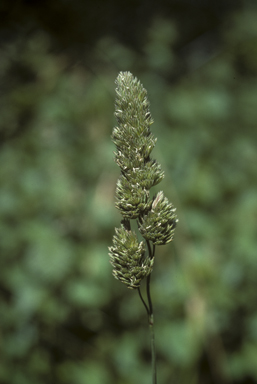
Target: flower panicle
156,217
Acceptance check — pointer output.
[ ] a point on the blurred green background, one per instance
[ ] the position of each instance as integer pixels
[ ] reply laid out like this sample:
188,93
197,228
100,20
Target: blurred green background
63,318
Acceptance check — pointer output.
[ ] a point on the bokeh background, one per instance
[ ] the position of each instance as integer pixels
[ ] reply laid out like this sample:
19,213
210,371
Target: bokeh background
63,318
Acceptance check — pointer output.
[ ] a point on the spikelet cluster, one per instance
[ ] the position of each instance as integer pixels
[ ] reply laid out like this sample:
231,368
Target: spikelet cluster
156,217
129,258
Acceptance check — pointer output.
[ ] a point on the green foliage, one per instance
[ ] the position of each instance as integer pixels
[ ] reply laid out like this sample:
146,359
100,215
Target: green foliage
63,317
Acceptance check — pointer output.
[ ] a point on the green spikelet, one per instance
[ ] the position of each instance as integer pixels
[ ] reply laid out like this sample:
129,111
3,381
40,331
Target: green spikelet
159,224
128,258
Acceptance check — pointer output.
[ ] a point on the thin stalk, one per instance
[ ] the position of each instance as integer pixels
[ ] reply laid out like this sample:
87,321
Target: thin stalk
151,319
154,373
149,310
143,301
